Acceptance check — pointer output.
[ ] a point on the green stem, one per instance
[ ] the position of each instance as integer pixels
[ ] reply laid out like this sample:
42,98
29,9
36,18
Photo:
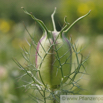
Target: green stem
43,26
66,31
54,100
44,96
52,16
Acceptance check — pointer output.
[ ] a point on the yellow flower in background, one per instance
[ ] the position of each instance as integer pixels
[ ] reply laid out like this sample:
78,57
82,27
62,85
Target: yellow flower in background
4,26
83,8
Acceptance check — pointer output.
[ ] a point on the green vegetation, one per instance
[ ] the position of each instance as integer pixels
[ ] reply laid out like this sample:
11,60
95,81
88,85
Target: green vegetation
87,33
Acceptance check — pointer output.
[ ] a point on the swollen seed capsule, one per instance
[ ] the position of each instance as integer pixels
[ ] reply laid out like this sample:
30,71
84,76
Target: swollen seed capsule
57,56
54,53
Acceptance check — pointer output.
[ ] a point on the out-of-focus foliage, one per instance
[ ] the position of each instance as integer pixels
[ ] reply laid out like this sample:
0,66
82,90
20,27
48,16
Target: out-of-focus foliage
12,9
43,8
73,9
13,36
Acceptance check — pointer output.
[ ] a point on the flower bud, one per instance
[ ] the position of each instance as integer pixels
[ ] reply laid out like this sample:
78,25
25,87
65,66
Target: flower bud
54,58
54,53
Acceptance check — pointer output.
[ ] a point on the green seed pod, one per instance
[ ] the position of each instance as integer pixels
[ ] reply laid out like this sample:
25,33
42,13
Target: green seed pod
54,54
54,58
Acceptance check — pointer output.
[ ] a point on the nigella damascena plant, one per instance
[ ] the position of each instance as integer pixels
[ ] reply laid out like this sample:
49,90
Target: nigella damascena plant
53,57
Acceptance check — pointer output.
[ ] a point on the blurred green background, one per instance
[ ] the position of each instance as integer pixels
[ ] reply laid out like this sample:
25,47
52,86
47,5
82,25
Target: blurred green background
88,32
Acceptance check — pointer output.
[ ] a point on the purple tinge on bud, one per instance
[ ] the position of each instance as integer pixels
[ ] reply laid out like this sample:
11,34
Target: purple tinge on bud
37,49
53,59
